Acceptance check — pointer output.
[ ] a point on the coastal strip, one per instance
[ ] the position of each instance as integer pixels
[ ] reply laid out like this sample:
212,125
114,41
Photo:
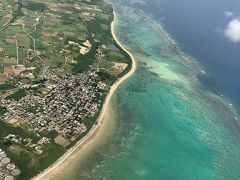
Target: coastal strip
96,129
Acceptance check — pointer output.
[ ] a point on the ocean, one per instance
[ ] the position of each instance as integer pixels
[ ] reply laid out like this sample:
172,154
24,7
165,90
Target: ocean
199,28
177,116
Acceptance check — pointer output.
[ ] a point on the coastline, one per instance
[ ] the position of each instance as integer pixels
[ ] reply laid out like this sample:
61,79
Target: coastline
86,141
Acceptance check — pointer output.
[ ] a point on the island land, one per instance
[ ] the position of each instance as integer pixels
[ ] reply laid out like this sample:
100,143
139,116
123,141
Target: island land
59,63
96,133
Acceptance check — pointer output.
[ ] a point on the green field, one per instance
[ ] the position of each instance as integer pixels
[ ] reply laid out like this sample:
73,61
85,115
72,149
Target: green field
17,95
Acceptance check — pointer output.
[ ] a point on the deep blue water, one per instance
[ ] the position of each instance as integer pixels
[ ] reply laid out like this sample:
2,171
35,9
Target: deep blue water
198,26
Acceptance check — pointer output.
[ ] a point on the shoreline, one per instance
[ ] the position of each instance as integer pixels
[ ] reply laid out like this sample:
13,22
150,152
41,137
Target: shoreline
87,140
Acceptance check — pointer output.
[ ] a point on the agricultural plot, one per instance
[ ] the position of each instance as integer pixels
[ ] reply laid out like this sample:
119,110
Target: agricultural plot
23,44
10,50
2,38
1,67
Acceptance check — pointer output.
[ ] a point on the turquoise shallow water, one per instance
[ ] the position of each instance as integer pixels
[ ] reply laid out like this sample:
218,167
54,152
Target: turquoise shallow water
168,125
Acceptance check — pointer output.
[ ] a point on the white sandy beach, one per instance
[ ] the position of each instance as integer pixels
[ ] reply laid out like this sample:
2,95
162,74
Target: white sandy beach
85,142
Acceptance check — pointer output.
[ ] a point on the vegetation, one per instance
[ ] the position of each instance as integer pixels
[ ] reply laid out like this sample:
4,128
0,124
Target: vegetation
17,95
3,110
6,86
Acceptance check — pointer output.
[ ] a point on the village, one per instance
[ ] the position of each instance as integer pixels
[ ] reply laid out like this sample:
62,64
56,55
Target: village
63,109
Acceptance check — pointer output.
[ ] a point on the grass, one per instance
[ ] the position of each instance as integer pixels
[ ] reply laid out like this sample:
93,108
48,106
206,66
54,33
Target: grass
3,110
107,78
13,30
115,56
10,49
84,61
55,59
2,37
17,95
128,60
6,129
7,86
36,6
33,109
